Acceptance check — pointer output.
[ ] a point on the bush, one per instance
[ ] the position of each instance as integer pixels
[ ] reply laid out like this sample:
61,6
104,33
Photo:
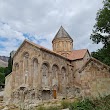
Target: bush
86,104
82,105
99,104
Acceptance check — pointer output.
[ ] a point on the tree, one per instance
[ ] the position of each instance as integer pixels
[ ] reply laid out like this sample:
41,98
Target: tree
2,75
8,69
2,78
101,33
5,71
103,55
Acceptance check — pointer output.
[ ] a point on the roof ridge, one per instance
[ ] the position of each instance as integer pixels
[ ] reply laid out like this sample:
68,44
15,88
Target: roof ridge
79,49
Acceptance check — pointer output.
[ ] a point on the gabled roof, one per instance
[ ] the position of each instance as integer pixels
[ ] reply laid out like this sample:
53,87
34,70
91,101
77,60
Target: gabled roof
62,34
40,47
77,54
94,60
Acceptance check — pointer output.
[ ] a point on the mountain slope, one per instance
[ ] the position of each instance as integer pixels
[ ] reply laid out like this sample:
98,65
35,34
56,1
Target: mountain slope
4,58
3,64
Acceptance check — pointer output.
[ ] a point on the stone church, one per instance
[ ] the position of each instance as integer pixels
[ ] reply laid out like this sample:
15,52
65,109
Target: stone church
42,74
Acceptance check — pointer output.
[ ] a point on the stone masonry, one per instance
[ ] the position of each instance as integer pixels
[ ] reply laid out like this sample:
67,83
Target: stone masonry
40,74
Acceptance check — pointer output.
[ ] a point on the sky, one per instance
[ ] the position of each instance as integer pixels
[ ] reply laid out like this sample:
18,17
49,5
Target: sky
39,21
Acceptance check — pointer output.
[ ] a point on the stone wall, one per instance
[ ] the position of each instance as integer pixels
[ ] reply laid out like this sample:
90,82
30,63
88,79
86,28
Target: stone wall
63,46
80,62
40,72
94,79
8,89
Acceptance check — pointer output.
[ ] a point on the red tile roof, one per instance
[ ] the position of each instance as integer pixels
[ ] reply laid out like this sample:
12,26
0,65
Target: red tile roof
77,54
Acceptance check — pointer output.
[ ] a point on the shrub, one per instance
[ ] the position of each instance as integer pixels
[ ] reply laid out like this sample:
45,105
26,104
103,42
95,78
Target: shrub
82,105
86,104
98,104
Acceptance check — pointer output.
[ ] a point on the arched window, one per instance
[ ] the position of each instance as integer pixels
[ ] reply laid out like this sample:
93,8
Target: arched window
26,65
54,71
16,67
45,76
45,69
34,71
63,72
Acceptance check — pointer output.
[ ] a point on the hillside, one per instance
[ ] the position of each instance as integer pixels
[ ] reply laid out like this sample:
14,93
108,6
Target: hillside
4,58
3,64
3,61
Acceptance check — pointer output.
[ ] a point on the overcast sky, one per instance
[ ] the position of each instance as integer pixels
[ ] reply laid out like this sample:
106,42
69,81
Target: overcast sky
39,20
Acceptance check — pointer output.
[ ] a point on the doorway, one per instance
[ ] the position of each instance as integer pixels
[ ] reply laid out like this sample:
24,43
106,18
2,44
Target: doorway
54,94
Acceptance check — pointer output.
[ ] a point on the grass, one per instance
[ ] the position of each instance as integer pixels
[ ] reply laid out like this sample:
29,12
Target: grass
48,108
41,108
86,104
98,104
65,104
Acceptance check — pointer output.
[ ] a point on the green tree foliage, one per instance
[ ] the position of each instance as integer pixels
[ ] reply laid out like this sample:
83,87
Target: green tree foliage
8,69
5,71
2,75
2,78
2,70
103,55
101,33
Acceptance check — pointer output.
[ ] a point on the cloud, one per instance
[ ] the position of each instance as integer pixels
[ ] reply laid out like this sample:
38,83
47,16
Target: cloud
39,20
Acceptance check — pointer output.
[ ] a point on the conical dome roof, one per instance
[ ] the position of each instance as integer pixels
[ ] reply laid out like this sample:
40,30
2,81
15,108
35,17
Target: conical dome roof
62,34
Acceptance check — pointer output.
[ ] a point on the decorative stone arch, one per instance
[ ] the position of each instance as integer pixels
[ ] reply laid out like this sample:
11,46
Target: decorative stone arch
16,66
48,64
45,66
34,60
24,53
45,74
62,79
25,57
34,72
55,70
63,71
55,79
